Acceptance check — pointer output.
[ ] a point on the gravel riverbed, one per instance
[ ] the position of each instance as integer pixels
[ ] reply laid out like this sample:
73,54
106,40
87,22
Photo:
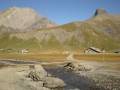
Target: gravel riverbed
104,76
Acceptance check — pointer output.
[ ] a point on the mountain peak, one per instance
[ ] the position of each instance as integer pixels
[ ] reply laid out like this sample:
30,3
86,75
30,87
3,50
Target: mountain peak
19,8
100,11
23,19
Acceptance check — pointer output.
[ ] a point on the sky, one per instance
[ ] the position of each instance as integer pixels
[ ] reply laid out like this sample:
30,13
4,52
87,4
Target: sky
64,11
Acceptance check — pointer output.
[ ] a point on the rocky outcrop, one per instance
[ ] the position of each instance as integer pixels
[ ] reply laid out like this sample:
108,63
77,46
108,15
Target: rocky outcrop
100,11
31,20
40,77
76,67
37,73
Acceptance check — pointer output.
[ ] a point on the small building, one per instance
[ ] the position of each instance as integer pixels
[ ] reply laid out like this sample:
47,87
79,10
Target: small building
93,50
117,51
24,51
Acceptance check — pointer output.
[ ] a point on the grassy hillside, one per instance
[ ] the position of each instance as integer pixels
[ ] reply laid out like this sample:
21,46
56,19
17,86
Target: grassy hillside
102,31
15,44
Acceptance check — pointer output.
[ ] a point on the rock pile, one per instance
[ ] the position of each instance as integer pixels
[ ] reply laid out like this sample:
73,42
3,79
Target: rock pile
38,74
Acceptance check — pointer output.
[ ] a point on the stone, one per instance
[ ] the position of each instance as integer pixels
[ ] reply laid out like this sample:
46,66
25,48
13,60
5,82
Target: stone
40,69
43,88
75,66
37,73
35,84
53,83
41,78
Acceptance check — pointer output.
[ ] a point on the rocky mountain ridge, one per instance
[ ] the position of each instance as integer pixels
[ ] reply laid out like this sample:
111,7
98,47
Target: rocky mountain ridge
23,19
101,31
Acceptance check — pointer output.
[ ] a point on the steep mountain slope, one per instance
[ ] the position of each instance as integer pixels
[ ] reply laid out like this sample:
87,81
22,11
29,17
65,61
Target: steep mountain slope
23,19
101,31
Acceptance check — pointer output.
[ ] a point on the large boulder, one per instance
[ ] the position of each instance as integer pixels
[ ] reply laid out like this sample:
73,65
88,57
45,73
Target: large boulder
38,68
44,80
37,73
54,83
37,85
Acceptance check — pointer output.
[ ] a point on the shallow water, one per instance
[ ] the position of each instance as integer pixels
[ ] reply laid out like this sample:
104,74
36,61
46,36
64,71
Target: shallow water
101,78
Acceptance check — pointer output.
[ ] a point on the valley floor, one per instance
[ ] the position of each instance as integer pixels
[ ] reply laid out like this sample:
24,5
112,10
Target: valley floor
103,76
60,57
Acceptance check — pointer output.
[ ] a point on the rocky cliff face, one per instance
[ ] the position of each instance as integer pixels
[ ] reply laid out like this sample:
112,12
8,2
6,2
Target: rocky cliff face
100,11
23,19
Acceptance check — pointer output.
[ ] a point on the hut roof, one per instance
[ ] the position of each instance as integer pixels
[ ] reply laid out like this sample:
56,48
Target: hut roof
95,49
